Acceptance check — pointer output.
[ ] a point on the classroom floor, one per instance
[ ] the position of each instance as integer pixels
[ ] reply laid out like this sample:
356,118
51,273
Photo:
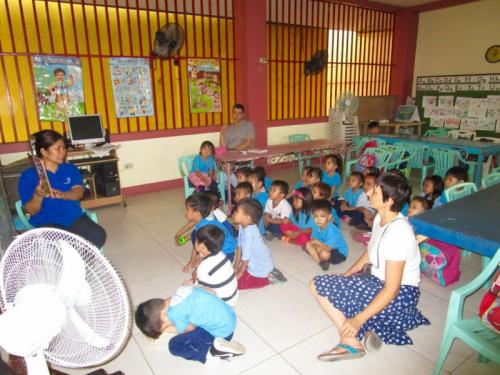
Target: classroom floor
281,326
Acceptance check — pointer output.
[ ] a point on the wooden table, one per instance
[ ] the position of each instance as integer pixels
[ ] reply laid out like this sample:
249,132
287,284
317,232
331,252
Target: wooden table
471,223
397,126
481,149
281,153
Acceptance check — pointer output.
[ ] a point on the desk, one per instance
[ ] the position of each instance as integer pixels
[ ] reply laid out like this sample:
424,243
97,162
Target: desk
470,223
276,154
396,126
481,149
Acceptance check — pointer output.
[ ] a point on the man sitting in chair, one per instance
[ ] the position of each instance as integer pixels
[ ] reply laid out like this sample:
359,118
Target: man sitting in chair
239,136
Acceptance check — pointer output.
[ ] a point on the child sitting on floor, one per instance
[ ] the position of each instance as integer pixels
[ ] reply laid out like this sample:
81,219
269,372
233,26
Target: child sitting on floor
454,176
303,178
322,191
204,324
277,209
199,211
203,172
327,244
242,174
432,188
215,271
256,179
262,172
299,227
314,176
332,174
348,202
254,264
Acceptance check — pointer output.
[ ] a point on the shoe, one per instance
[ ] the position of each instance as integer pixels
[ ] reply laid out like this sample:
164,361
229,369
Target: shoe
276,277
325,265
268,236
340,353
372,342
224,349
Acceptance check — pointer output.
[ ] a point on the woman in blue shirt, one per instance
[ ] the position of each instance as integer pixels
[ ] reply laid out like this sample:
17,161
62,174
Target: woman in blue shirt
60,209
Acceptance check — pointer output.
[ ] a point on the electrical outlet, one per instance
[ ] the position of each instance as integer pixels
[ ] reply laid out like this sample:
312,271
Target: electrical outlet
129,165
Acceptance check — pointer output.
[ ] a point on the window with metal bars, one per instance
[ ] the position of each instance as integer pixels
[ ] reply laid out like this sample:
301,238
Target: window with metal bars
359,45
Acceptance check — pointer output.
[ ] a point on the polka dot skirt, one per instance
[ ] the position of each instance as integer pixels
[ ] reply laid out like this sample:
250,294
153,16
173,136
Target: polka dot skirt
352,294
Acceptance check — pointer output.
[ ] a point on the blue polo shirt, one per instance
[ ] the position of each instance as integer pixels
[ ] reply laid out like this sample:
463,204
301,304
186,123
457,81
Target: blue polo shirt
303,221
253,249
53,211
351,197
262,197
331,236
298,185
229,245
190,305
333,181
203,165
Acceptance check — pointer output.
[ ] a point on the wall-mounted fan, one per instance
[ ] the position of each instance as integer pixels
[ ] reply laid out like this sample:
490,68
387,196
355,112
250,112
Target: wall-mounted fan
168,41
317,62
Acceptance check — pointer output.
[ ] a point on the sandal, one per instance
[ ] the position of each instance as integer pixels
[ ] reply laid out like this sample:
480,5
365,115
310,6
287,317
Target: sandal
372,342
348,352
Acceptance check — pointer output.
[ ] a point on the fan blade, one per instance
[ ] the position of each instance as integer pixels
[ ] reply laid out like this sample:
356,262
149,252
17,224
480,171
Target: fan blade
87,333
72,279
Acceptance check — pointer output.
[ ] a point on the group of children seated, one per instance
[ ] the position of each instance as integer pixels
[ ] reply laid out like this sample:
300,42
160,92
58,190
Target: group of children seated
231,253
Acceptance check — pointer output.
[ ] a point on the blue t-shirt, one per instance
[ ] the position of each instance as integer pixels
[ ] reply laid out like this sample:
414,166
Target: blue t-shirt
203,165
253,249
54,211
351,197
262,197
202,309
298,185
404,210
440,200
303,222
333,181
229,245
267,183
331,236
336,218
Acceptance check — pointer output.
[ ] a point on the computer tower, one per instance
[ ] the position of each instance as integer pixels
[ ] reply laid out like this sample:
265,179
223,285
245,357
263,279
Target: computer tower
107,182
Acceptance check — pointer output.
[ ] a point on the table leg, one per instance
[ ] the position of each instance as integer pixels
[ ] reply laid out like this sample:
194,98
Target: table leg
479,170
419,128
229,198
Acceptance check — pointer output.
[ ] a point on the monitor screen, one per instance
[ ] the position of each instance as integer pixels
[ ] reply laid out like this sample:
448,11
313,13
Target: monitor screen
86,129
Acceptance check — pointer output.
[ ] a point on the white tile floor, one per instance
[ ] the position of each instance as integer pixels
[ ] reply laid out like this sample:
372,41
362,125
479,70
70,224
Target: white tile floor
281,326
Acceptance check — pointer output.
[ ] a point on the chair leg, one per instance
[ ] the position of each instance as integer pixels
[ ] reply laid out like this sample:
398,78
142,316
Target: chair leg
443,350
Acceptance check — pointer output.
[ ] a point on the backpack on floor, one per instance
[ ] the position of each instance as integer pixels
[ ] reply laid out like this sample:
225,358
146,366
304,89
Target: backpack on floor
440,261
489,309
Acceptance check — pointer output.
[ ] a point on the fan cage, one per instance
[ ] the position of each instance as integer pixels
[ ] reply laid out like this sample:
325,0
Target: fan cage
35,257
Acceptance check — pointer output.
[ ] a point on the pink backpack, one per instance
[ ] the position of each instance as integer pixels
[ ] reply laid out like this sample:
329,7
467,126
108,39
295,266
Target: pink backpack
440,261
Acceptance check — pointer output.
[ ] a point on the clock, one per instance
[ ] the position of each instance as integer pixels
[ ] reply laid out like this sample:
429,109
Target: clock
492,54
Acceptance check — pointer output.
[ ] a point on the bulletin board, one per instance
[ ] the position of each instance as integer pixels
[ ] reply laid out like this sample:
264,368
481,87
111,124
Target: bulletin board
464,102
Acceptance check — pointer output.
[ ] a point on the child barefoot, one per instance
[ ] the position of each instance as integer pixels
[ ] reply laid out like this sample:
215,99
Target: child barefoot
299,227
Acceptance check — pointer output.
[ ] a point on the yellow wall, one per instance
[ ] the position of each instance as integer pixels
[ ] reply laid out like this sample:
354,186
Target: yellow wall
453,40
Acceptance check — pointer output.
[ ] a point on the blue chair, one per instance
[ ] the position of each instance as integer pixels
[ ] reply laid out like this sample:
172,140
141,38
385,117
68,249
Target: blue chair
471,331
460,191
491,179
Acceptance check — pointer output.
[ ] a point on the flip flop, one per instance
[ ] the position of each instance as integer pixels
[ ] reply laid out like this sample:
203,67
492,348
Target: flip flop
348,352
372,342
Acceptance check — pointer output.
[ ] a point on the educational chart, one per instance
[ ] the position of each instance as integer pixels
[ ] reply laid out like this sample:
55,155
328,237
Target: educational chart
58,87
131,82
468,102
204,85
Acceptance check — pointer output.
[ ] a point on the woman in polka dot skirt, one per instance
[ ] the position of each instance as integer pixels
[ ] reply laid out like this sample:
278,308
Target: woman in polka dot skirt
378,304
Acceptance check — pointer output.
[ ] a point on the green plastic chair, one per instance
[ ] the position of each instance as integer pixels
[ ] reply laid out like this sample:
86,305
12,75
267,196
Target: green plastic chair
460,191
461,134
495,170
399,154
296,138
445,158
438,132
419,159
356,150
490,180
471,331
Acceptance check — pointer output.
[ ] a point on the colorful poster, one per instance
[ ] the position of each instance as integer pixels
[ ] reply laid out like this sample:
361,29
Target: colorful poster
429,101
446,101
58,87
204,85
452,122
131,82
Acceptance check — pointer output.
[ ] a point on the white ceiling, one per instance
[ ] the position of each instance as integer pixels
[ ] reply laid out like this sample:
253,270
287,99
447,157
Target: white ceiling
404,3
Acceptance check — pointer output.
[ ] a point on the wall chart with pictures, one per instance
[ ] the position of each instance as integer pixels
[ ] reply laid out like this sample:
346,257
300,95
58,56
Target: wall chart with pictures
466,102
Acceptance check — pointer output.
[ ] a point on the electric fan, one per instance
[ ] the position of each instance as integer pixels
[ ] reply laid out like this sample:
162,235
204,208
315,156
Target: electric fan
62,302
342,119
168,41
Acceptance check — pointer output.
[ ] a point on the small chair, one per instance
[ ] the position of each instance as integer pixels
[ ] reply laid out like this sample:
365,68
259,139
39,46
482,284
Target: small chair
356,148
445,158
296,138
471,331
461,134
399,154
460,191
438,132
490,180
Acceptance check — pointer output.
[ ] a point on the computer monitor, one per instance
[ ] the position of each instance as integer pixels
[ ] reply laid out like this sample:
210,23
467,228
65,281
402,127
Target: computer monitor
86,130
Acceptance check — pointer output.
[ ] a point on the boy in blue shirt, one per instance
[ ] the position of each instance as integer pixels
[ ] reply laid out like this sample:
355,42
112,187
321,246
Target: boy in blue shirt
327,244
454,176
205,324
352,194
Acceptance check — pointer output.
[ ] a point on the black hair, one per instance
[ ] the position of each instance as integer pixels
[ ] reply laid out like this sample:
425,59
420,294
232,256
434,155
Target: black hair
460,173
306,169
245,186
373,170
360,176
59,70
424,202
438,183
148,317
282,185
244,171
44,139
396,172
260,173
210,236
214,197
209,144
372,124
239,106
315,171
321,205
200,202
252,208
307,200
324,189
395,187
370,174
337,159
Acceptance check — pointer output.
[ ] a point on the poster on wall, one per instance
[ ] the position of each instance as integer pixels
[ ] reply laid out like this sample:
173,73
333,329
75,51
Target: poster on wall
58,87
204,85
131,82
